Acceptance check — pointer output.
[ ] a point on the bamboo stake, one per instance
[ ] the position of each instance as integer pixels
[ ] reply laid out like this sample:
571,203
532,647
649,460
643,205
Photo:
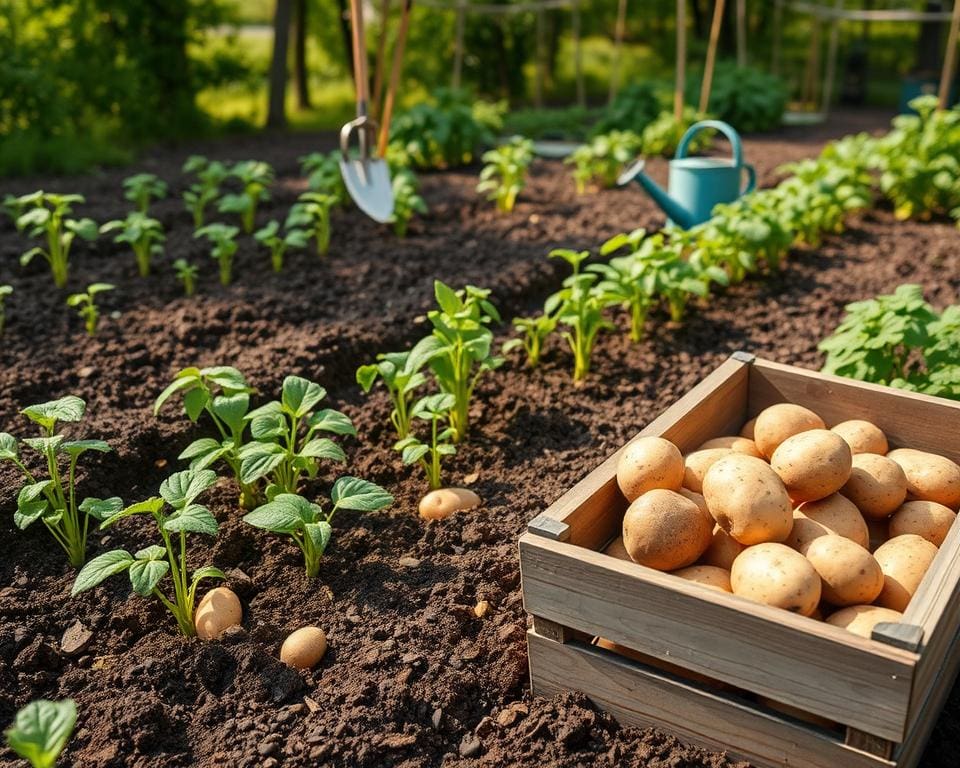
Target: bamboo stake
618,34
681,60
707,83
741,33
950,59
381,55
808,95
395,71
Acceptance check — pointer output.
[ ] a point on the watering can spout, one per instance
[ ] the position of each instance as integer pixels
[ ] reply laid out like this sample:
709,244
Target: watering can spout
675,212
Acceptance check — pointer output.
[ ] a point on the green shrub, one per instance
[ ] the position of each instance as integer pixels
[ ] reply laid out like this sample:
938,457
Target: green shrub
749,99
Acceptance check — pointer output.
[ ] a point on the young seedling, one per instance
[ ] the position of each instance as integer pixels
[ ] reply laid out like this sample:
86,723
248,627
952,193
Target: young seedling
149,566
401,374
256,177
223,239
582,310
323,174
141,188
505,173
41,730
86,304
574,258
406,202
285,445
186,274
279,244
535,331
5,291
603,158
308,525
625,280
53,501
143,234
210,175
224,395
312,212
46,215
435,410
459,350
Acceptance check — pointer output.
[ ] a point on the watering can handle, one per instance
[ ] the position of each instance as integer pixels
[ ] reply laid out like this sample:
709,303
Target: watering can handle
727,130
751,179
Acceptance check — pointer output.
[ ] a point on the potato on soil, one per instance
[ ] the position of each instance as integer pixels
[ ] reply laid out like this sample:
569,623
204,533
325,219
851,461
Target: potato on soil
928,519
834,514
778,422
649,463
776,575
748,500
443,502
696,464
736,443
904,560
877,485
812,464
930,477
850,575
862,436
707,575
304,648
861,619
219,610
665,530
723,549
616,549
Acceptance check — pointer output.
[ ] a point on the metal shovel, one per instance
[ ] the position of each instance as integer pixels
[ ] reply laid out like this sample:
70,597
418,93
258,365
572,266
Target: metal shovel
367,178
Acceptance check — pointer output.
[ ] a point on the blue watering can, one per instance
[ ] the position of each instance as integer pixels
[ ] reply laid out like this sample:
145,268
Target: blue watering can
697,184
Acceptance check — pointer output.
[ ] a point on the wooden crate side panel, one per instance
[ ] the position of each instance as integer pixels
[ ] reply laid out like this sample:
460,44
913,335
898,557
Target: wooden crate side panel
818,668
909,419
639,695
592,509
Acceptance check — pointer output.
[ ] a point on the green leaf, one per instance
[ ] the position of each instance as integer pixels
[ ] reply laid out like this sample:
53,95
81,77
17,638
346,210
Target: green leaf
41,730
151,506
194,402
77,447
354,493
69,408
207,572
258,460
413,453
323,448
147,569
189,377
301,395
194,518
287,513
43,445
267,422
101,509
333,421
319,534
8,447
101,568
232,409
181,488
29,511
366,376
203,452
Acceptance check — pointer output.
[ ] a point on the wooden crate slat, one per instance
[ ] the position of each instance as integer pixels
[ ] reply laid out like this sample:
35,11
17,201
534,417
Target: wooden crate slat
816,667
642,696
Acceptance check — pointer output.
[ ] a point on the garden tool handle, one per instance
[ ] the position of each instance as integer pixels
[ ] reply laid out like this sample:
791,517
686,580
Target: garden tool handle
394,79
727,130
359,57
751,178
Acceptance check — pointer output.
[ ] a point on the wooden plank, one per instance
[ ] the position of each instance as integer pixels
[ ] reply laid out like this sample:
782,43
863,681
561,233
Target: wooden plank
908,418
551,630
717,405
639,695
906,636
810,665
866,742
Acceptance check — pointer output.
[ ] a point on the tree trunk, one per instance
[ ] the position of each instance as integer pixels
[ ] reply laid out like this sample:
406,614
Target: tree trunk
300,75
277,113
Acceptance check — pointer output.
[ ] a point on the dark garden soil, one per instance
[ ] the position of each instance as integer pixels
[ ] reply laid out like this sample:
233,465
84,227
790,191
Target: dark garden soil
412,677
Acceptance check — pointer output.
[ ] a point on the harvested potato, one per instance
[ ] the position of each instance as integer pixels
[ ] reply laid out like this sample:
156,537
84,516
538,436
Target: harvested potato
850,575
696,464
812,464
219,610
904,560
443,502
834,514
861,619
930,477
617,550
778,422
748,500
665,530
928,519
697,498
736,443
862,436
707,575
723,549
747,430
649,463
776,575
304,648
877,485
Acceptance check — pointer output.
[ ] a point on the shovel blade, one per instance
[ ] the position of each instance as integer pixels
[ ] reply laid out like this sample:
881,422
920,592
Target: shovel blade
368,182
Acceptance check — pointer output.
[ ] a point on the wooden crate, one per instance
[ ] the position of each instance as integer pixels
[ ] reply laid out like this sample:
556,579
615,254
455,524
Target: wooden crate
883,694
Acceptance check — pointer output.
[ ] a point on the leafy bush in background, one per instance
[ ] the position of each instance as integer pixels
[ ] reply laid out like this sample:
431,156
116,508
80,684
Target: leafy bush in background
635,106
749,99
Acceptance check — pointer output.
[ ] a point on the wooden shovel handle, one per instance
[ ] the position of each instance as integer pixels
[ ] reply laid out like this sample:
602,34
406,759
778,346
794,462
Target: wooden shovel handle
359,57
381,56
395,71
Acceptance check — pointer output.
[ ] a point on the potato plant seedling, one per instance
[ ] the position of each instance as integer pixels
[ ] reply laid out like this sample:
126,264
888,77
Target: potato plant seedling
307,523
322,170
41,731
312,213
278,244
47,215
141,188
147,567
53,500
86,305
142,233
603,158
210,175
434,410
5,292
187,275
256,177
406,202
222,237
505,173
401,374
534,332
